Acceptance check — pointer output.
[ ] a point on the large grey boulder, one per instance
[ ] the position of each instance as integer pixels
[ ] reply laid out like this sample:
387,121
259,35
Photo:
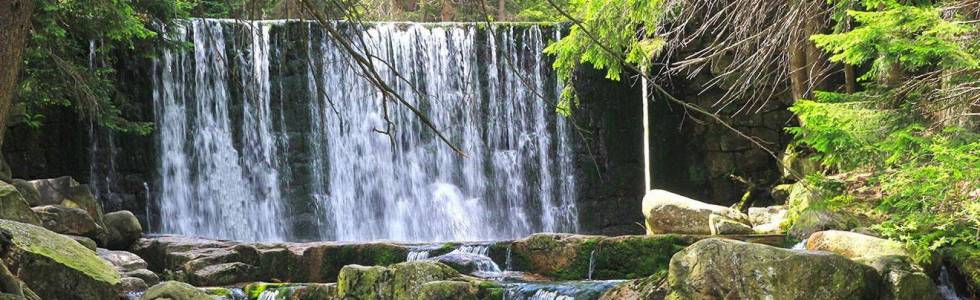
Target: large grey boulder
903,279
123,261
767,220
666,212
70,221
57,267
64,191
123,228
727,269
14,207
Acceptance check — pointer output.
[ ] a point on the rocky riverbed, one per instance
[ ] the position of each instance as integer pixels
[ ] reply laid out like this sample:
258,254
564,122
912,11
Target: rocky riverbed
56,243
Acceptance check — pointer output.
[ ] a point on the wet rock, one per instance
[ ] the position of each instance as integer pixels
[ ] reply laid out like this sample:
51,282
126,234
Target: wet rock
84,241
767,219
705,271
323,261
222,274
904,279
56,267
568,256
653,287
121,260
438,290
146,275
666,212
399,281
123,229
327,291
130,284
173,290
14,207
69,220
466,263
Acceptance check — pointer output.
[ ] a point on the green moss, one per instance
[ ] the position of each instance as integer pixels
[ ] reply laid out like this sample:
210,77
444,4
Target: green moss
253,290
217,291
636,256
61,249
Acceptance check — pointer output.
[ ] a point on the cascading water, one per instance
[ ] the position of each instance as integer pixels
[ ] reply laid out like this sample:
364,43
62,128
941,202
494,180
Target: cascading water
259,130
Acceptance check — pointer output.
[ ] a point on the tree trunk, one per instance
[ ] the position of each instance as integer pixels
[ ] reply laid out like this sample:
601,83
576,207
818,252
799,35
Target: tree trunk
15,24
501,10
798,70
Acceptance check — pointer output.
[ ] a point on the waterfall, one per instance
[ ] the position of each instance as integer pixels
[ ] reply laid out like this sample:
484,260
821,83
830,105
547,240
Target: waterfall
268,131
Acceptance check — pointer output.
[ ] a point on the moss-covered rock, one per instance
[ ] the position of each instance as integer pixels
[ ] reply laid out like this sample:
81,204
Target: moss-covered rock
84,241
666,212
13,206
652,287
324,261
173,290
400,281
123,229
57,267
408,276
315,291
727,269
364,282
439,290
567,257
809,213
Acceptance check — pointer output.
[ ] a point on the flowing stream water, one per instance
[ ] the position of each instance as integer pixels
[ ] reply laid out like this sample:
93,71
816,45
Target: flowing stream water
268,131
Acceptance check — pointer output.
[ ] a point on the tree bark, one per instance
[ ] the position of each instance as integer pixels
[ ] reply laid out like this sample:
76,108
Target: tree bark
15,25
501,10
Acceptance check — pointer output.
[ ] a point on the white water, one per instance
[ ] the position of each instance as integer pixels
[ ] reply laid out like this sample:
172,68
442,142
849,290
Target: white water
224,141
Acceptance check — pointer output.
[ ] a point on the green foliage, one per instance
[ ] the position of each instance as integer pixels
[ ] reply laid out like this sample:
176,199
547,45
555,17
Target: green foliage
615,33
69,61
914,36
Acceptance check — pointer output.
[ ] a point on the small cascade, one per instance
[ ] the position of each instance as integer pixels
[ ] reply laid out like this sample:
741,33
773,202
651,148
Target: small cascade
591,263
147,198
483,262
508,263
268,295
946,288
569,290
799,246
417,255
134,295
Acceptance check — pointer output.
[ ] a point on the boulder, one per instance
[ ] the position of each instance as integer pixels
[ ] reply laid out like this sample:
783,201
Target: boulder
854,245
439,290
727,269
223,274
27,190
14,207
146,275
123,229
173,290
128,285
767,220
69,220
5,174
653,287
399,281
123,261
84,241
327,291
903,279
666,212
65,191
467,263
796,164
780,193
810,215
568,256
56,267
